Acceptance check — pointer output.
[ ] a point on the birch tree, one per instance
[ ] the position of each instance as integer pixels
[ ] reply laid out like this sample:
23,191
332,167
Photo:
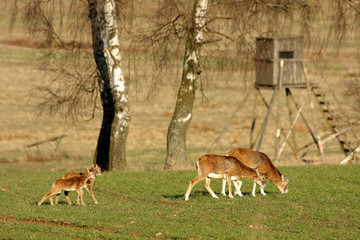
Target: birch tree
176,137
110,152
68,57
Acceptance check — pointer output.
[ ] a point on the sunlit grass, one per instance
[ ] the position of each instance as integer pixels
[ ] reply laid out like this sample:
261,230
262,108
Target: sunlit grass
322,203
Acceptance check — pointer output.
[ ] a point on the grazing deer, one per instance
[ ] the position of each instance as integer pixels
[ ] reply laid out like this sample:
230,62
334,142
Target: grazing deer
261,162
71,184
88,186
218,166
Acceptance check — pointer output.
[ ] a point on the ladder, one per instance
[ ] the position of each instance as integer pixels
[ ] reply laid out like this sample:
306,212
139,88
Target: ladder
334,123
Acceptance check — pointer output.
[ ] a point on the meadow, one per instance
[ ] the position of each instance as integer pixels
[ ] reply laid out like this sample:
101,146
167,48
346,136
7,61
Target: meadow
322,203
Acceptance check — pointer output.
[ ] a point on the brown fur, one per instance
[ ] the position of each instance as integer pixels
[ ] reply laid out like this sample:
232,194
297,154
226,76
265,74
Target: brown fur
71,184
261,162
88,186
223,165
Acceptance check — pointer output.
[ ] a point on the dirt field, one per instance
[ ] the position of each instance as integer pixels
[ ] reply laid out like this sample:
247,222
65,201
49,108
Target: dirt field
22,125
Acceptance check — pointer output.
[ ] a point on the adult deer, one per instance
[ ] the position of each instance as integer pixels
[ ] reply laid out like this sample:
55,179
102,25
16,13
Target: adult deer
88,186
71,184
220,166
261,162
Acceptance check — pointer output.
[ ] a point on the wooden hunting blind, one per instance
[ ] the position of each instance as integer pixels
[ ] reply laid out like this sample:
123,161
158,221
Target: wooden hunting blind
279,66
269,53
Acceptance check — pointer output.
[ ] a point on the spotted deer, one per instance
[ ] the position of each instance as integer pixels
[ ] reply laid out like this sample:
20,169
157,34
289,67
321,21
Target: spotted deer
261,162
216,166
88,186
71,184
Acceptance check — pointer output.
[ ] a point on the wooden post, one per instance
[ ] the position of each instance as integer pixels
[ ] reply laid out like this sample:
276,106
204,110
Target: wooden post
350,156
274,117
253,123
278,122
267,118
290,131
326,139
295,148
318,138
303,118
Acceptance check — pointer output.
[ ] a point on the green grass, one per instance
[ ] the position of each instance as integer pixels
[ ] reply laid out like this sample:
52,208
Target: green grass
322,203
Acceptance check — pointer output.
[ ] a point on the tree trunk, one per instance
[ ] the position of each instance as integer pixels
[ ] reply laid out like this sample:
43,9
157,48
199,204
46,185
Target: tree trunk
120,125
176,137
110,150
103,145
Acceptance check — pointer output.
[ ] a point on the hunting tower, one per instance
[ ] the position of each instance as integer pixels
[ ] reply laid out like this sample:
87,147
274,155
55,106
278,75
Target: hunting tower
279,66
269,52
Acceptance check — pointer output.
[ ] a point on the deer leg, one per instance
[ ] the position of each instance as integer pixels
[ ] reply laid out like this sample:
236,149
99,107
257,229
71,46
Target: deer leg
78,198
238,184
223,187
191,184
253,191
262,191
45,197
80,195
51,200
57,198
89,189
207,186
67,197
229,186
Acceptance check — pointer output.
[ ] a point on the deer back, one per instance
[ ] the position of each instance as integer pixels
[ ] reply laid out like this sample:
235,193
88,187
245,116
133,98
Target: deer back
70,175
94,168
256,160
68,184
215,164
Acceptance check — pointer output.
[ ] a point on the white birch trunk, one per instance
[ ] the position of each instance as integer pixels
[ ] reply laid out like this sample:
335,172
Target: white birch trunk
120,125
96,16
176,138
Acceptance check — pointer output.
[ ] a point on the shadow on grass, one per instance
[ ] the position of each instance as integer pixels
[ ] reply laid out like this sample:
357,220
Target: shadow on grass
47,203
197,194
192,194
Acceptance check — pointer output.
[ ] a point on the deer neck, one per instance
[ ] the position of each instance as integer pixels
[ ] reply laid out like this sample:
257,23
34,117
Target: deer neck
246,172
84,177
274,175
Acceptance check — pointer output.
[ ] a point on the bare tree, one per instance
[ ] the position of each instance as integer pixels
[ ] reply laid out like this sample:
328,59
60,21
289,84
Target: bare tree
176,137
110,154
68,59
346,21
230,30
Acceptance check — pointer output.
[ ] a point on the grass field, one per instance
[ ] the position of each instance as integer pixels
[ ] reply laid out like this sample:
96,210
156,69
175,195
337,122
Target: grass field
322,203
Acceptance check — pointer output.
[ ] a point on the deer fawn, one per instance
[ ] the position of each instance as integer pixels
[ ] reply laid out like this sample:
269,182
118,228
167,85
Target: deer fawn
261,162
88,186
217,166
70,184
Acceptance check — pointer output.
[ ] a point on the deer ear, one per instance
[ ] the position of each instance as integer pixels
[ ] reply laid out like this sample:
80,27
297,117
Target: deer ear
283,178
257,172
87,170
